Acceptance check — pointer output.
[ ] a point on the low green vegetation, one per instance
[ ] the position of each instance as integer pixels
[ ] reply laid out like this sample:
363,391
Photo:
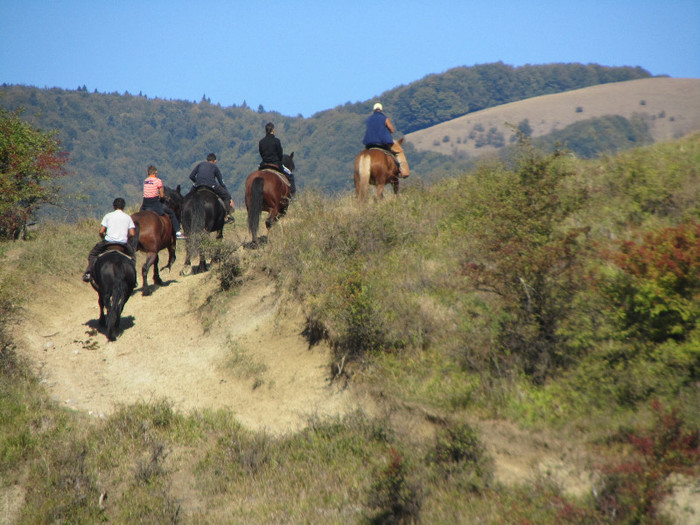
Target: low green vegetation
556,294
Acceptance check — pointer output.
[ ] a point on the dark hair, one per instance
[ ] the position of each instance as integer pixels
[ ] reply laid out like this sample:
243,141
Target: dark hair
269,127
151,169
119,203
211,157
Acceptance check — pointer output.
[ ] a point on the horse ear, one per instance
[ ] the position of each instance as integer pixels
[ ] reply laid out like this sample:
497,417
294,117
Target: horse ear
178,188
401,141
292,155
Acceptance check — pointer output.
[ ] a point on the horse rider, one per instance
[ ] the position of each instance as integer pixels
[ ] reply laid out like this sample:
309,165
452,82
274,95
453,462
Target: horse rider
208,174
378,131
270,149
116,228
153,195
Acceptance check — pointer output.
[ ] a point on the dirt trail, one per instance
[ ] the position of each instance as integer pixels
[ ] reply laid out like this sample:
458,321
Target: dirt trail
251,359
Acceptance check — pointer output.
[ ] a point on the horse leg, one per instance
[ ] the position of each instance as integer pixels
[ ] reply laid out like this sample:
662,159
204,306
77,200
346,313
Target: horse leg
380,191
144,272
272,216
395,185
171,257
156,274
100,301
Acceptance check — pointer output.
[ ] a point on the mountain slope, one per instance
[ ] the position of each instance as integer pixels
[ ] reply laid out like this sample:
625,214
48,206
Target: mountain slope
669,106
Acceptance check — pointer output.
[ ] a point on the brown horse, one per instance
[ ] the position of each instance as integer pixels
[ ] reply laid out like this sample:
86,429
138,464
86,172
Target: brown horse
154,233
266,190
376,166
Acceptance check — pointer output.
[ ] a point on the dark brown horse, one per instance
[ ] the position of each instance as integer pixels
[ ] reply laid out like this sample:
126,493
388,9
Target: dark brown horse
155,233
267,190
376,166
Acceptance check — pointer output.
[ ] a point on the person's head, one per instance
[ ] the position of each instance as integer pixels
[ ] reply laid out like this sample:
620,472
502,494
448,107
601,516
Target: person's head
152,170
119,203
269,128
211,158
377,107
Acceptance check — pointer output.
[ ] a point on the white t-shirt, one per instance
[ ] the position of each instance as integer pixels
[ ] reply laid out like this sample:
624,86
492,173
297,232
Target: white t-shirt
118,224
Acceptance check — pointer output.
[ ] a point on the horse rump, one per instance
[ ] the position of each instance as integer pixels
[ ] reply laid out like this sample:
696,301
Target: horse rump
115,279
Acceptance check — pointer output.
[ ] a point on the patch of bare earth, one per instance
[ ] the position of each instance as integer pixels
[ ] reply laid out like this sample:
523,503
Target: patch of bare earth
248,356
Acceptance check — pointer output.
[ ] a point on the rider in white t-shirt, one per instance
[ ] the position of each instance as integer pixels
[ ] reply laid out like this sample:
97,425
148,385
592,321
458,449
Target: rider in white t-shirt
116,227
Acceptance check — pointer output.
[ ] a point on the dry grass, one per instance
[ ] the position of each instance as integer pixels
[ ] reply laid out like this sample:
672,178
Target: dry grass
671,105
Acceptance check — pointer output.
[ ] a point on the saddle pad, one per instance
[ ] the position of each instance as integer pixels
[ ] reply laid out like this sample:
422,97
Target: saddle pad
282,177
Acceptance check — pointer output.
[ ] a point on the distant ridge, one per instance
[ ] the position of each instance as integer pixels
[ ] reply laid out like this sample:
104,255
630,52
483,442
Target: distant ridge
670,107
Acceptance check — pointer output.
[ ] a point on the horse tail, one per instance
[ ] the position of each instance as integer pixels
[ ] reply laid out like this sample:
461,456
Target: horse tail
255,207
134,241
116,303
363,175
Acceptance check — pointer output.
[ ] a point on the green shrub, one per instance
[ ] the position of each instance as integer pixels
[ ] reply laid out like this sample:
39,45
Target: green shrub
522,254
459,455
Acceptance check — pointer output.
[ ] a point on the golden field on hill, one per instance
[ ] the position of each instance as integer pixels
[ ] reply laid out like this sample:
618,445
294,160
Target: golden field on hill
671,107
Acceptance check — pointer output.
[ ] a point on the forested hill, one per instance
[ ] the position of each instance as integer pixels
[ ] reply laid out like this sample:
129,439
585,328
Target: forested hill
112,138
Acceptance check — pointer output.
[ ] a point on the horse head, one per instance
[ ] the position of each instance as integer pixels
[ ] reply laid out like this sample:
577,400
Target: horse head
288,161
174,200
397,149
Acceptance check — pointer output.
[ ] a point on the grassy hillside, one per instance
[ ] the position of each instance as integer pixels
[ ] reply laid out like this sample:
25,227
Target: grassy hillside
668,107
555,296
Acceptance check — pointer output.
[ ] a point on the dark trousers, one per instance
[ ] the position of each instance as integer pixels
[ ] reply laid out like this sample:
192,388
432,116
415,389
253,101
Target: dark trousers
155,205
100,247
221,191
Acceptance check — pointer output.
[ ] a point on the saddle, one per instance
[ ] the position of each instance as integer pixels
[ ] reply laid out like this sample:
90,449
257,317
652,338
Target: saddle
116,247
389,154
211,190
274,169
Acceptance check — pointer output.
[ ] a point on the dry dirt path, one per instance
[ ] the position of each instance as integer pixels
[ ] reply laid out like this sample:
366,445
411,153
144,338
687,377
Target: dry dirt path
250,358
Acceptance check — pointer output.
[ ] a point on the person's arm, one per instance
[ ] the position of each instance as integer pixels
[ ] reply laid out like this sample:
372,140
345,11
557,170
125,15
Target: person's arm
390,126
193,175
103,231
278,147
219,177
132,232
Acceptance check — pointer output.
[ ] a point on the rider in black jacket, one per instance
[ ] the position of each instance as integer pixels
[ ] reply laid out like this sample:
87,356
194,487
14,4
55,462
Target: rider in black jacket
208,174
270,149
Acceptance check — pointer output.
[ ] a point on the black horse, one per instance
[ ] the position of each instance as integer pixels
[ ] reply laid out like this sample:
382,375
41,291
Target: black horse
203,212
114,278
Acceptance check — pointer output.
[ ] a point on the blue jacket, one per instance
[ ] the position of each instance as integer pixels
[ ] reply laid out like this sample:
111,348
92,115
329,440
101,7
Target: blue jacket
377,132
207,174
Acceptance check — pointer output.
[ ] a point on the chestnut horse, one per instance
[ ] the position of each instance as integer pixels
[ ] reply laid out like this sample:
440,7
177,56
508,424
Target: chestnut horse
113,278
154,233
267,190
376,166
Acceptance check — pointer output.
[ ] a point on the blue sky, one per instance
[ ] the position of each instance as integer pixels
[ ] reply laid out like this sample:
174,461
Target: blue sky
301,57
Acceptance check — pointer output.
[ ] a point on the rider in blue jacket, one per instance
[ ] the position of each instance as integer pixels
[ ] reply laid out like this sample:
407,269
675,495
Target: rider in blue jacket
379,130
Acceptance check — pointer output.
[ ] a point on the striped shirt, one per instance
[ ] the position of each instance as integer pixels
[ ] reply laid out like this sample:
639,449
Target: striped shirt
151,186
